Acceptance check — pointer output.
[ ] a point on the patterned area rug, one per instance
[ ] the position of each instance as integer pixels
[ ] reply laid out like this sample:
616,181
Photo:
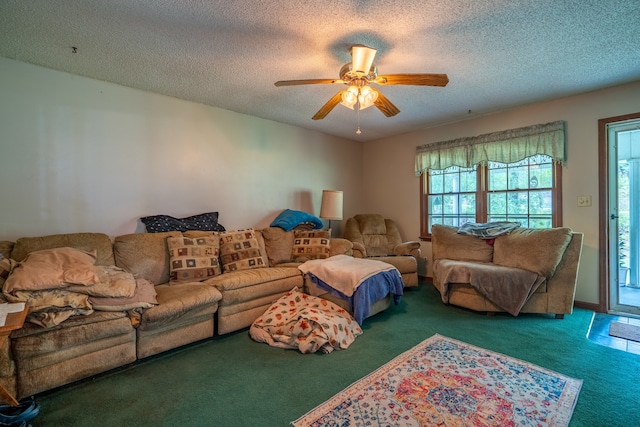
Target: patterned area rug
444,382
625,330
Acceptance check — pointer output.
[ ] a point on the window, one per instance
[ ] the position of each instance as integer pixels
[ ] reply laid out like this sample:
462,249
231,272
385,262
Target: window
527,191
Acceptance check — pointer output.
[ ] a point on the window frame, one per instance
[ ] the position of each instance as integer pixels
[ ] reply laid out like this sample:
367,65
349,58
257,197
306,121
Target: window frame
482,192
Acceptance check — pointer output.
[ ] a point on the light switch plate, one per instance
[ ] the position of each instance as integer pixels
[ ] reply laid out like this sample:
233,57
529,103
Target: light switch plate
584,201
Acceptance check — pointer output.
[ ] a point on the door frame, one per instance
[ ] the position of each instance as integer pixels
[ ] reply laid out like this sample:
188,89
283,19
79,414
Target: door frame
604,254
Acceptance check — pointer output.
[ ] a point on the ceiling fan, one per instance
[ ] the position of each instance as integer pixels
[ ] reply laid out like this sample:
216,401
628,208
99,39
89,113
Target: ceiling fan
358,75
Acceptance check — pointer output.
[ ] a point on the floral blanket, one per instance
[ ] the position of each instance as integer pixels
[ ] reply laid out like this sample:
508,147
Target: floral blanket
307,323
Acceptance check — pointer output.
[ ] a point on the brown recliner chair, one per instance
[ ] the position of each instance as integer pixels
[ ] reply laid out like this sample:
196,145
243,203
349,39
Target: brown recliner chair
378,238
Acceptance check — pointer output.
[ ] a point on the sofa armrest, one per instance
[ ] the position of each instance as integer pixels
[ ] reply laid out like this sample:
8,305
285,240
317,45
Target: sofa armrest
359,250
408,248
340,246
561,287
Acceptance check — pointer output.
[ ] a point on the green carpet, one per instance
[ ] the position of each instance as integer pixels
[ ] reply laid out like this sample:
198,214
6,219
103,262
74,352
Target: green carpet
234,381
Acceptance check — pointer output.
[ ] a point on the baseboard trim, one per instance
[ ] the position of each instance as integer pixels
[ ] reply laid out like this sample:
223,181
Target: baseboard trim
587,305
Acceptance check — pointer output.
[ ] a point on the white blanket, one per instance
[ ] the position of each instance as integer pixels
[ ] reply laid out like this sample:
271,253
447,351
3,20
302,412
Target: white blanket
344,273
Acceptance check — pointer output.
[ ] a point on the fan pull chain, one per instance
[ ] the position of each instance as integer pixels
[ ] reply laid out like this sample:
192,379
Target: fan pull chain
358,132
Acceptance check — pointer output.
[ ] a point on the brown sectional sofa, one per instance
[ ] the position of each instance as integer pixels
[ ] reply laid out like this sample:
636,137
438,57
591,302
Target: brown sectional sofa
553,255
38,358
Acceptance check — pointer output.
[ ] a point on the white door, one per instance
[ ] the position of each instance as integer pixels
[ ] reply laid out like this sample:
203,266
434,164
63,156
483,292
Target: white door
623,143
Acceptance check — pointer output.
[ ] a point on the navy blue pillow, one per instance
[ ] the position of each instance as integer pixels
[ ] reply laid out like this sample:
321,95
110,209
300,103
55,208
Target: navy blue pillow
290,219
161,223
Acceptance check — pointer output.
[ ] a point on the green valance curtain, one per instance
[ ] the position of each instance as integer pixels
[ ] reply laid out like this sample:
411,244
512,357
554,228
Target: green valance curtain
507,146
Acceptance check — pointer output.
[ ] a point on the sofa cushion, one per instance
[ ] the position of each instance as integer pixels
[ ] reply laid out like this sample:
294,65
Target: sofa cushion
53,268
278,245
536,250
448,244
371,224
176,301
241,279
239,250
144,254
88,242
309,245
162,223
193,259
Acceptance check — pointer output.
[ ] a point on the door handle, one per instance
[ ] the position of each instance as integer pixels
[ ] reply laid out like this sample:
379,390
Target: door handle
614,216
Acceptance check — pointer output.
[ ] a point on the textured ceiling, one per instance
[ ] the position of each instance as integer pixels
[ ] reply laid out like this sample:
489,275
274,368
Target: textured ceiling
497,53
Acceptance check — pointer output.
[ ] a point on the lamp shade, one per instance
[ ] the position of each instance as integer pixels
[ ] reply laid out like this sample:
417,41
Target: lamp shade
331,206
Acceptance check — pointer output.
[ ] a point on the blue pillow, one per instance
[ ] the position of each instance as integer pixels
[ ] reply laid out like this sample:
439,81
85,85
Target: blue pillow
290,219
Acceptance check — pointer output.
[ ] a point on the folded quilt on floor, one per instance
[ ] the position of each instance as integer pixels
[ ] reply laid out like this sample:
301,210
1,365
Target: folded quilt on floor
307,323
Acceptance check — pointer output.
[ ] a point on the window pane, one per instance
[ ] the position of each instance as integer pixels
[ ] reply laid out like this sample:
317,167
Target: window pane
540,202
497,203
465,219
523,220
518,178
497,176
451,183
453,221
468,181
436,182
541,176
450,204
517,203
435,204
535,222
468,204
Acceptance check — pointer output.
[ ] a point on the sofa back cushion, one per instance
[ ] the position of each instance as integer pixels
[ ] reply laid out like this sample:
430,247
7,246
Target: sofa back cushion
378,235
278,245
84,241
446,243
144,254
536,250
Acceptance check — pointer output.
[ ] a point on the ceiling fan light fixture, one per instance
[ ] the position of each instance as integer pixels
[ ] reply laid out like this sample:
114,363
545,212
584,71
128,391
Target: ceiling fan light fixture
362,59
350,97
367,97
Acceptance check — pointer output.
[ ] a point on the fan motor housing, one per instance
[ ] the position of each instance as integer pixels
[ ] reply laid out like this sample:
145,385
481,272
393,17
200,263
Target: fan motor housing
351,77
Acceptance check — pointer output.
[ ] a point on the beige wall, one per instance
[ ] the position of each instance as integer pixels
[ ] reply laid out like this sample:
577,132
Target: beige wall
78,154
391,188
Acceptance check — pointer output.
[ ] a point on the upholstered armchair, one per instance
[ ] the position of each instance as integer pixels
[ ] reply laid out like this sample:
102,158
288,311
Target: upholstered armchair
375,237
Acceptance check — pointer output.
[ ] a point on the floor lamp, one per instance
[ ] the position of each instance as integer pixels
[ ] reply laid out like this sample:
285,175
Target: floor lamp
331,206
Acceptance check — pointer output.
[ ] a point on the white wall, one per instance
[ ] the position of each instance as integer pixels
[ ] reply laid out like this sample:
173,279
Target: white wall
78,154
391,188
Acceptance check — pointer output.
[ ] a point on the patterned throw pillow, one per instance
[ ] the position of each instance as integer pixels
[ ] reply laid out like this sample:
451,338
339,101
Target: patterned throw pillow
239,250
160,223
193,260
311,245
